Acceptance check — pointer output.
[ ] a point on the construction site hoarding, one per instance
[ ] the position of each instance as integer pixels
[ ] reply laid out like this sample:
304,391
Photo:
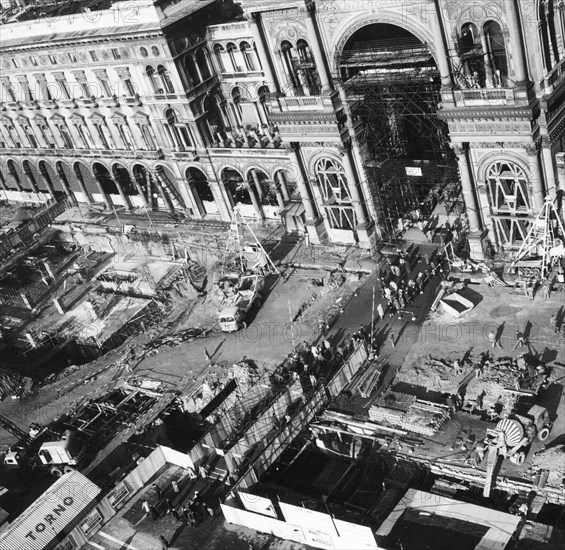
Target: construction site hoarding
58,507
303,525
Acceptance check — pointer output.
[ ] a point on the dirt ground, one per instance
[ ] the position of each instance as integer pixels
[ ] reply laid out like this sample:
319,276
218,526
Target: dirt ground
267,340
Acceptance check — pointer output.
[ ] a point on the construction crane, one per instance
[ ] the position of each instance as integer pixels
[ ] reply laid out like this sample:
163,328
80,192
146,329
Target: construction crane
543,244
10,427
252,255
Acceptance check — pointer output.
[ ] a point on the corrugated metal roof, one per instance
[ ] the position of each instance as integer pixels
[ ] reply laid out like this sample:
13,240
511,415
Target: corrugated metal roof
50,513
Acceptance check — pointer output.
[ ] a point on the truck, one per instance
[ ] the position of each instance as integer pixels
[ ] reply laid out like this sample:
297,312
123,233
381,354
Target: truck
512,438
241,293
60,456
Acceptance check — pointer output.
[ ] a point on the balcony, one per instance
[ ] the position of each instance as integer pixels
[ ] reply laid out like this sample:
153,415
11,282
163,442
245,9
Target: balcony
132,100
553,79
305,103
485,97
156,154
184,155
111,101
307,118
230,31
88,102
203,87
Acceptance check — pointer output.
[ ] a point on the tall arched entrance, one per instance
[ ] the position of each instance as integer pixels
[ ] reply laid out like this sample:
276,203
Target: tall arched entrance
201,191
392,86
240,194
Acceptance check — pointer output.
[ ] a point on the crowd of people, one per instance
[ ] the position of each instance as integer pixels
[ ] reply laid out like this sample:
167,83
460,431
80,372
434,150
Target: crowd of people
192,511
399,287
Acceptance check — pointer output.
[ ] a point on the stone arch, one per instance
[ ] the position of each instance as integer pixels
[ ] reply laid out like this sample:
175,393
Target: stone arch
68,182
122,175
507,156
497,52
49,176
14,176
234,184
166,183
286,179
201,190
406,22
146,184
259,179
104,178
84,174
33,176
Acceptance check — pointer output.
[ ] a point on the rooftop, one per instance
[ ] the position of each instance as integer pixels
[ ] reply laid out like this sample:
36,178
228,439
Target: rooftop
77,20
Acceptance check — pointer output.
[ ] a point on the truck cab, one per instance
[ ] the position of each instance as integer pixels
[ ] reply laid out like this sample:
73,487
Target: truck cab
63,452
230,319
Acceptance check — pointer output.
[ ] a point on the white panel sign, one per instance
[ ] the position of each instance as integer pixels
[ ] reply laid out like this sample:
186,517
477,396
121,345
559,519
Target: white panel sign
413,171
257,504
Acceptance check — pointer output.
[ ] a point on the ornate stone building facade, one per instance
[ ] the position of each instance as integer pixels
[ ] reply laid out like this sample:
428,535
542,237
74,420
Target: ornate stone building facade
334,116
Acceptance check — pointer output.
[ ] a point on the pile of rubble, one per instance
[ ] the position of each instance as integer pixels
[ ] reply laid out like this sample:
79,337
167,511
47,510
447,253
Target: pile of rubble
9,384
552,460
409,413
435,374
172,340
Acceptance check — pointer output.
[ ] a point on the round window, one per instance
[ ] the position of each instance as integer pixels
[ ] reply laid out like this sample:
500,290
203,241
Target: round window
143,52
155,51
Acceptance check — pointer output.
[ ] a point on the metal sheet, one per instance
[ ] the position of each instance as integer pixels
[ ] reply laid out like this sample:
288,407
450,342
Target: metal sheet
61,504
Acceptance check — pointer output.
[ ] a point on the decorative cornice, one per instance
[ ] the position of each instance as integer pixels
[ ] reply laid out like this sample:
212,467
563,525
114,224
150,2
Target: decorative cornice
495,114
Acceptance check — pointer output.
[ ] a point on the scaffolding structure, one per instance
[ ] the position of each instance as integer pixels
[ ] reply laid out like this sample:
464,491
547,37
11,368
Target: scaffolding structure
392,88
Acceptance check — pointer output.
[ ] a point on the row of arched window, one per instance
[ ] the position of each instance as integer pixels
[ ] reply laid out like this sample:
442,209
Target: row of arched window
76,132
236,58
551,26
483,56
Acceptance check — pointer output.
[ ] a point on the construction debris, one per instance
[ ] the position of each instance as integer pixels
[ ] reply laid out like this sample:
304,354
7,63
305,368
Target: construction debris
410,414
551,460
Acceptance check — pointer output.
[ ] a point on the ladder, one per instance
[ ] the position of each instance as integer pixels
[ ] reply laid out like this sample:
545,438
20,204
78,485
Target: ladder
535,251
169,187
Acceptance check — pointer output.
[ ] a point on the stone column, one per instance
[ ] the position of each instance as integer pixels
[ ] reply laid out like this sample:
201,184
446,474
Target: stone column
66,187
486,58
87,196
280,198
31,180
48,184
185,191
514,30
166,200
256,182
560,160
552,55
536,179
140,192
461,150
270,80
352,186
439,43
107,200
256,205
549,171
316,46
125,198
282,182
199,210
301,180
